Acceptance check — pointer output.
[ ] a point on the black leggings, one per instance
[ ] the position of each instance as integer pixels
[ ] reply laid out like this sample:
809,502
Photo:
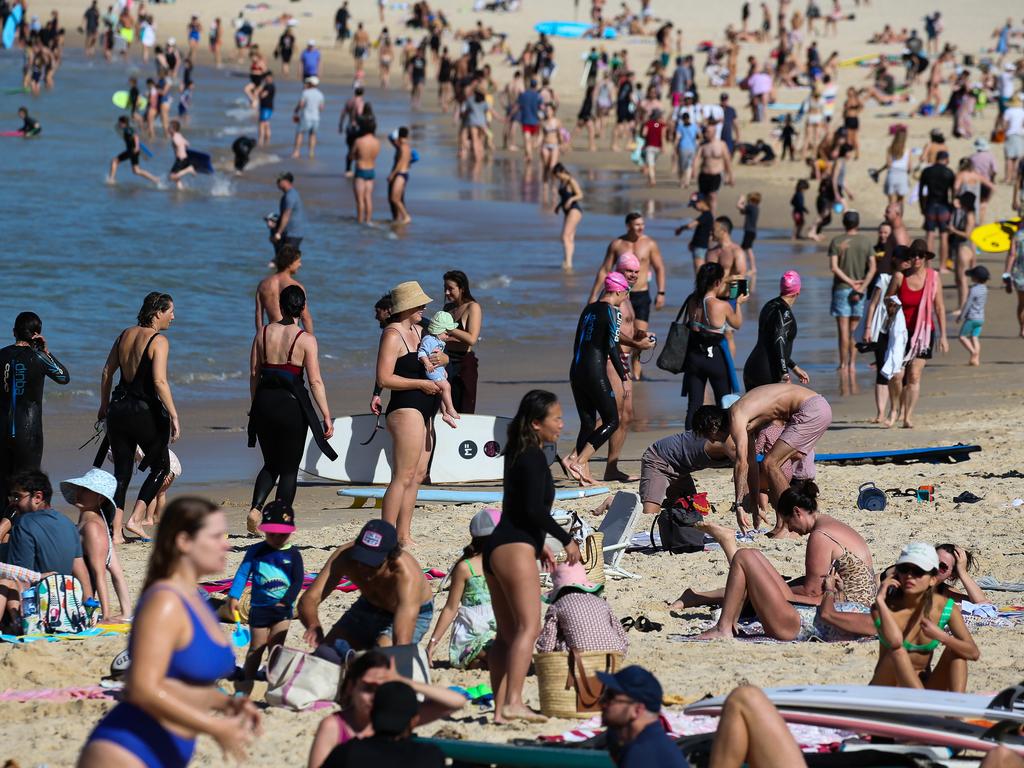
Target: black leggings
132,423
281,430
594,397
701,368
881,347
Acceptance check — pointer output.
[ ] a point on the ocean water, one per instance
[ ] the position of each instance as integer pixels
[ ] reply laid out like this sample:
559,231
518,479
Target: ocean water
82,253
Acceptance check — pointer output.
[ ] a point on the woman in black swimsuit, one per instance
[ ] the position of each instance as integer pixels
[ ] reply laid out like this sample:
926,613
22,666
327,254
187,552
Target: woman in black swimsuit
414,401
24,367
281,411
569,196
140,411
463,364
511,552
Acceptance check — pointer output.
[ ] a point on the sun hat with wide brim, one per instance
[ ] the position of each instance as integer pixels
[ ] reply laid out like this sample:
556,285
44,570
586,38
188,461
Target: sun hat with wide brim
571,577
97,480
408,295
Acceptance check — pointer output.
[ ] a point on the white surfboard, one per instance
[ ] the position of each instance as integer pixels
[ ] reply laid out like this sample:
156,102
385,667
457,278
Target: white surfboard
916,728
469,453
895,702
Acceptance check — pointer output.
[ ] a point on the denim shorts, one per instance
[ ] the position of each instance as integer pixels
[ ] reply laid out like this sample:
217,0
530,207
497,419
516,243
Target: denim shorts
841,304
971,328
699,253
364,622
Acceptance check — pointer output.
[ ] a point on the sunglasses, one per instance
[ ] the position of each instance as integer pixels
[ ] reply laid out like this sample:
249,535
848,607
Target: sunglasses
944,567
609,696
906,569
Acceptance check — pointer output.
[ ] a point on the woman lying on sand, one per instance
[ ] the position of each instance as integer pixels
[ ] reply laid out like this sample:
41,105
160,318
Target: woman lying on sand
788,611
913,621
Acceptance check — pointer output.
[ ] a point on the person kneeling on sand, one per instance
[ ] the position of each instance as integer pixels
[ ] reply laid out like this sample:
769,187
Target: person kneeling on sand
579,618
806,414
912,624
789,611
395,605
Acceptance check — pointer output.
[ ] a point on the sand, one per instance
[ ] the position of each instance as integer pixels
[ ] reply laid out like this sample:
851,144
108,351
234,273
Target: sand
975,405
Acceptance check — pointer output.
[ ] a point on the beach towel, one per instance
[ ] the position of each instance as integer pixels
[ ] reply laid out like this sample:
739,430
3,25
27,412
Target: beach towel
894,353
991,582
879,317
223,585
102,631
921,338
74,693
678,725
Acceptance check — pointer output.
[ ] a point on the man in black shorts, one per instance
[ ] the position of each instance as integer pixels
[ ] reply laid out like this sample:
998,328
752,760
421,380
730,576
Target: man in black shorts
936,192
712,163
132,152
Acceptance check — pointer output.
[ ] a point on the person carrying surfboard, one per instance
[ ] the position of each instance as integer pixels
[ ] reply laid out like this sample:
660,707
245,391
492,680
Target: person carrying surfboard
132,153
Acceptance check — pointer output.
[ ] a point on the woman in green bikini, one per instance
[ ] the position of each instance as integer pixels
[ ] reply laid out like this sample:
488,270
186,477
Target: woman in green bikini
913,620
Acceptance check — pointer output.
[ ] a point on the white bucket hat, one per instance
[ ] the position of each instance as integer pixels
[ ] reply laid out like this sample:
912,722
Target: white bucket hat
97,480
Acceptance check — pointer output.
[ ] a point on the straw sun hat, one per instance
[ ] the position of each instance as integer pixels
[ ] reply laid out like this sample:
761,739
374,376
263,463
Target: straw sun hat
408,295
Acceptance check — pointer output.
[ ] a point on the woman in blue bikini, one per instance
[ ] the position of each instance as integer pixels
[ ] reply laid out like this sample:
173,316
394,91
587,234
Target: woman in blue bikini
178,653
913,620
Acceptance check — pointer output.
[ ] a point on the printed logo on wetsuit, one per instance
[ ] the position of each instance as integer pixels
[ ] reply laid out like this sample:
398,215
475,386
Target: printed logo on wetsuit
372,539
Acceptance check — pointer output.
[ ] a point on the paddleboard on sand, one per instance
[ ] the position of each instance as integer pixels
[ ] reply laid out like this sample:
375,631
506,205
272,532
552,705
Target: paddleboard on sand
120,99
995,237
569,29
200,161
472,452
449,496
951,454
919,728
895,703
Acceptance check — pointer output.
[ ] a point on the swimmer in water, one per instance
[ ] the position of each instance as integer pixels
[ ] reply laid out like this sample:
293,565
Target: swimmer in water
597,342
29,125
132,152
398,179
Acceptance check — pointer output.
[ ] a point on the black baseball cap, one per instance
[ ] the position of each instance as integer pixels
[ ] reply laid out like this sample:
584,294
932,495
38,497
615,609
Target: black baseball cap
278,517
394,707
374,543
633,681
979,273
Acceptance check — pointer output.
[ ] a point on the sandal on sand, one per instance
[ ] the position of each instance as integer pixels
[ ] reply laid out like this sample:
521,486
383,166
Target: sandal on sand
627,622
643,624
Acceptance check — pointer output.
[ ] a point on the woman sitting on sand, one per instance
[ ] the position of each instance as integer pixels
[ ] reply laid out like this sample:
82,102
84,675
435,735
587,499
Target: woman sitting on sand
362,678
956,564
913,621
788,611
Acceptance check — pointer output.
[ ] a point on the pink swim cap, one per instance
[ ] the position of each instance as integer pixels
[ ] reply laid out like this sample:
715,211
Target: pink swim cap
628,261
616,281
789,285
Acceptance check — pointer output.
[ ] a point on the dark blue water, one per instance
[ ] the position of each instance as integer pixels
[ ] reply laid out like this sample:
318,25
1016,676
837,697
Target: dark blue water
83,253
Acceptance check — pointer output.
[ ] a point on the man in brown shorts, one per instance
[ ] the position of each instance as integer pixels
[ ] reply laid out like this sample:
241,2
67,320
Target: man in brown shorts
806,416
667,466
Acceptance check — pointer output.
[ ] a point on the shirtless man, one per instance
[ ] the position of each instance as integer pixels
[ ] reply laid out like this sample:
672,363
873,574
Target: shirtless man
805,414
399,176
899,236
629,265
511,98
364,154
646,250
287,261
712,163
182,164
733,259
395,605
360,50
348,125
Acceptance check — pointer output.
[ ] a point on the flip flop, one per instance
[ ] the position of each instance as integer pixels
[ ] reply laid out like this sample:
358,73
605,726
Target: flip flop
643,624
627,622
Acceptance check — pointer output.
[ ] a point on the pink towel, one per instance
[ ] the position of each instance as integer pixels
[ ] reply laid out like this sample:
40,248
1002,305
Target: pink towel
921,335
57,694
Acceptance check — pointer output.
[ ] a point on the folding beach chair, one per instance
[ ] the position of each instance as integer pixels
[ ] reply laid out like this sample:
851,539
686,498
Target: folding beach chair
617,527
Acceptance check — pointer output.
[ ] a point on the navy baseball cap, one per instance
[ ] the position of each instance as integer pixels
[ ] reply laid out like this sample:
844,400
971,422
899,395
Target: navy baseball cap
637,683
374,543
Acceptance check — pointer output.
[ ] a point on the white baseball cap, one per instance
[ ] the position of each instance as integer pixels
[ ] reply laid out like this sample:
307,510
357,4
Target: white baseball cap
920,553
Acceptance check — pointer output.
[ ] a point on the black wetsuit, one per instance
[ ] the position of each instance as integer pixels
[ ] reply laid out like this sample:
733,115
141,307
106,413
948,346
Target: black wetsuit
24,370
408,366
528,492
242,147
137,417
772,356
705,364
281,414
597,341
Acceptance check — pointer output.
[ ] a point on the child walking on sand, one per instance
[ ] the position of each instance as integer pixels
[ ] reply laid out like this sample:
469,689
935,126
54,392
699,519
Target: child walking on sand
973,312
799,206
469,601
433,341
275,571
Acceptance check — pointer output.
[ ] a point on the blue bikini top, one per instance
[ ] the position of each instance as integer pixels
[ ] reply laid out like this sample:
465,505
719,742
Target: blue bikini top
203,661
